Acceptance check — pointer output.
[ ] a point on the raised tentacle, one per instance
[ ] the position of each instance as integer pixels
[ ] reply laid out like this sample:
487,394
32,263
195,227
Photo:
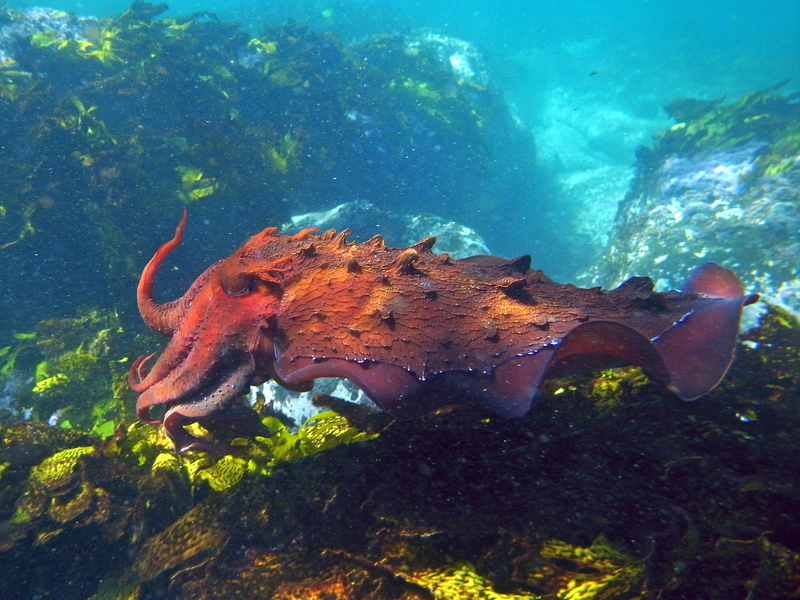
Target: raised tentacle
163,318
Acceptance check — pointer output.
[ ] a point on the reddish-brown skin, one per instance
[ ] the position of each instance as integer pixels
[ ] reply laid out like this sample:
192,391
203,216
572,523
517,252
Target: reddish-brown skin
413,329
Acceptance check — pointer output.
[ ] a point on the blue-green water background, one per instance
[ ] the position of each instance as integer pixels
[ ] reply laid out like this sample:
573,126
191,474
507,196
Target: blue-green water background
589,78
645,51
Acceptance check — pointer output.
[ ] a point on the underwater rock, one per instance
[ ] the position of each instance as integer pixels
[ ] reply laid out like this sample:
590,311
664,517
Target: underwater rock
397,228
465,62
611,489
723,186
595,194
45,26
298,407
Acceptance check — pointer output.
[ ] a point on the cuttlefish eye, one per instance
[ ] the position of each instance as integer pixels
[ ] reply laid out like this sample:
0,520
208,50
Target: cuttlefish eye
238,284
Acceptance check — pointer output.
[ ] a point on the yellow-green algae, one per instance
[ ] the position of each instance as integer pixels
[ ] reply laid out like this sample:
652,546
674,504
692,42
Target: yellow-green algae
761,117
56,497
452,505
223,474
196,535
57,470
597,572
606,389
460,581
46,482
80,377
116,590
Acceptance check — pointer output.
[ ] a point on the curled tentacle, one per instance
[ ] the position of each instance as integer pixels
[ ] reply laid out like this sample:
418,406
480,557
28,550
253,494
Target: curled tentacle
162,318
136,380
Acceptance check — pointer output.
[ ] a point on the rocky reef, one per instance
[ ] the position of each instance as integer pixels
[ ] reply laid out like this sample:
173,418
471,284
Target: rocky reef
610,488
111,126
720,185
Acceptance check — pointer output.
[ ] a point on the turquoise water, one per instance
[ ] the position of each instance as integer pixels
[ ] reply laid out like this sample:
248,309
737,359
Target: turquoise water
649,51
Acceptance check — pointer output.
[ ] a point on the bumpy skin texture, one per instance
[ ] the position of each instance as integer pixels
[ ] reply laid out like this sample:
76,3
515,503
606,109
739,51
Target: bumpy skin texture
413,329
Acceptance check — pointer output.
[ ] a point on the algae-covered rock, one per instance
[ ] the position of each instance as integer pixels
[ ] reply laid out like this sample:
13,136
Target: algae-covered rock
721,185
196,536
459,580
611,489
111,126
595,572
69,373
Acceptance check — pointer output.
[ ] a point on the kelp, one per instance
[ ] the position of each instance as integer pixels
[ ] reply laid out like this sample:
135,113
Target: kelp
73,373
134,480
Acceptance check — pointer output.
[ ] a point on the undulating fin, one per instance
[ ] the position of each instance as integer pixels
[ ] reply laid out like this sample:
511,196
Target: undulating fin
699,349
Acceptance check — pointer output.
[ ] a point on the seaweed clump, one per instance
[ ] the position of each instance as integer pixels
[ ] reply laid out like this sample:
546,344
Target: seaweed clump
69,373
128,493
760,117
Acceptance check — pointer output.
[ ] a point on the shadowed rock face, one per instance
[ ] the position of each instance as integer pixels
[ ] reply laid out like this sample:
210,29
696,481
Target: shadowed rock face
413,329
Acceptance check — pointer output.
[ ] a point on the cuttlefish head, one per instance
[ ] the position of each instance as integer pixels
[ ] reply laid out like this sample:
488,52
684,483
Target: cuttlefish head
221,342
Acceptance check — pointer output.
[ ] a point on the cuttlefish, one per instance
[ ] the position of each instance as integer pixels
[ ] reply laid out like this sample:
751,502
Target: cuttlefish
413,329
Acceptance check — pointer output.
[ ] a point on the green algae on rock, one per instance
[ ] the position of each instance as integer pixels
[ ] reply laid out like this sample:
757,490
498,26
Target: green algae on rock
111,123
720,185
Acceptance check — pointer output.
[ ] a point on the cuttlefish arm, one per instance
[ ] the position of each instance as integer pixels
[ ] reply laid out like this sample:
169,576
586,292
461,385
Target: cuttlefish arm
208,362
